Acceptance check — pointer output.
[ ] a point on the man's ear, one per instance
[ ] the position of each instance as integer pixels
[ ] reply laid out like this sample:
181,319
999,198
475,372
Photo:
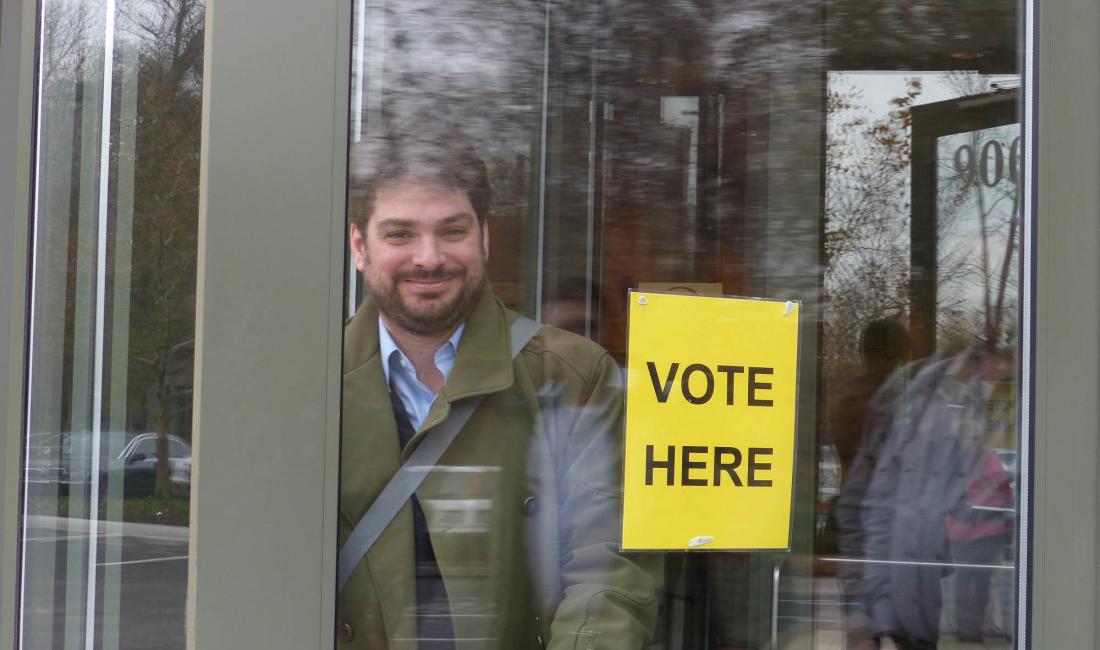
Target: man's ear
358,243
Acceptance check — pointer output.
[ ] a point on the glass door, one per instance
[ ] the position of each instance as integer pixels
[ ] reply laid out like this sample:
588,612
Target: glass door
107,442
847,158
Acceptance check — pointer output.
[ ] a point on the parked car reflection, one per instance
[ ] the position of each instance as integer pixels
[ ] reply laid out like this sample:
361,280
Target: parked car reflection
60,462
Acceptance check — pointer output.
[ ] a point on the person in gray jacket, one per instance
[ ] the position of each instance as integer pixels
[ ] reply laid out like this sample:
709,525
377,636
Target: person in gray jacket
921,469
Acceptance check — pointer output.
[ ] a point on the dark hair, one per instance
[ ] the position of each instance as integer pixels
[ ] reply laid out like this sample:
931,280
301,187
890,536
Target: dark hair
444,160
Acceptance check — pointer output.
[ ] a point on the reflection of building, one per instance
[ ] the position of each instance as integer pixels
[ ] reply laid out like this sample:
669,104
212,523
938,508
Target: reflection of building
965,227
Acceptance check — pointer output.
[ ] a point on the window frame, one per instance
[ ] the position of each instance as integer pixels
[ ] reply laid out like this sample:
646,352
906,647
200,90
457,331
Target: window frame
18,20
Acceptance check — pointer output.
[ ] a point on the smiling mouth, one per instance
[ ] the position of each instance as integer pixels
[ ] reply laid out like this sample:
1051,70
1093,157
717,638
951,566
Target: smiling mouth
428,285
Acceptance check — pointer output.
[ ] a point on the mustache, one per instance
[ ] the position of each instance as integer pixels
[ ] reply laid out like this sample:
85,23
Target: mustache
423,275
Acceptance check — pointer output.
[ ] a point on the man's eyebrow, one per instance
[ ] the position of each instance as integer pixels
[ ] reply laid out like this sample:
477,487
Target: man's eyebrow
397,222
393,222
458,216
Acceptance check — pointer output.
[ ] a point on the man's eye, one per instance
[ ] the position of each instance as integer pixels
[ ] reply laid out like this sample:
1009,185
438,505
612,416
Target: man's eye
397,235
454,233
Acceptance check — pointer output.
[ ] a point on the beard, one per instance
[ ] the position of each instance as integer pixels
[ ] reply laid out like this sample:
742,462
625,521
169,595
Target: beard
428,314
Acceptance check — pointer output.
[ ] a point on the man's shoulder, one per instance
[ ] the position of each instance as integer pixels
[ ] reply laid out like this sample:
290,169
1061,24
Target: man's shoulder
553,346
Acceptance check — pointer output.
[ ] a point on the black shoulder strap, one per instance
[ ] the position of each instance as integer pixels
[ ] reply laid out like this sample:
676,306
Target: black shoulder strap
414,470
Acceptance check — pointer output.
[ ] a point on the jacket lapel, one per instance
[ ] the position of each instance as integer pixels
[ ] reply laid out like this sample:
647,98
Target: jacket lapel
369,458
370,453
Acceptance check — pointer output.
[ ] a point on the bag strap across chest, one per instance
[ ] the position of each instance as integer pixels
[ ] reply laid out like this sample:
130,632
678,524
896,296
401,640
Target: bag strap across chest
414,470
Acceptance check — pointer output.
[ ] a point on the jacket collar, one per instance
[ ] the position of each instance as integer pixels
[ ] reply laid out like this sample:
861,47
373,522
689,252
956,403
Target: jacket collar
484,363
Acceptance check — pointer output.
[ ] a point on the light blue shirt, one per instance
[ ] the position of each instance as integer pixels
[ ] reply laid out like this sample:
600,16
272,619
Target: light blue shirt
401,375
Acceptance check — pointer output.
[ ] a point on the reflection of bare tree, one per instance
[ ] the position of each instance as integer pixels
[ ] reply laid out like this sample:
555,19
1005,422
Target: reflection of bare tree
867,224
486,69
168,37
867,162
153,177
170,31
66,30
475,67
922,34
978,229
70,34
489,70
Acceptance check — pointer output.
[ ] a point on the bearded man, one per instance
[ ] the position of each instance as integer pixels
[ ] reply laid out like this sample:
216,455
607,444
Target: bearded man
511,540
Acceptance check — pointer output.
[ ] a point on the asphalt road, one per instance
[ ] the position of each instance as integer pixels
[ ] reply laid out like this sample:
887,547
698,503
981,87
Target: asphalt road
140,586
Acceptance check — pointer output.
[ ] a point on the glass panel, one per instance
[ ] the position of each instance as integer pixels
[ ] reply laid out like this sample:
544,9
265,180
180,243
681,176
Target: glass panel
116,204
926,413
862,159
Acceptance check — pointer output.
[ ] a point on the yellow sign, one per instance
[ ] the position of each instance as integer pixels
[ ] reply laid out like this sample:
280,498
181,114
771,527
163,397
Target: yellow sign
710,422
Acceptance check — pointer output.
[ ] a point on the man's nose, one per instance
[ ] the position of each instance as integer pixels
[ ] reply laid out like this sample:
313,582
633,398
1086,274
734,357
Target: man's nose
428,253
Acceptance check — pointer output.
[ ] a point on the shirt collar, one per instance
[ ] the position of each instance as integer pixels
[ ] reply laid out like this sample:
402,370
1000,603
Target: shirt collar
387,347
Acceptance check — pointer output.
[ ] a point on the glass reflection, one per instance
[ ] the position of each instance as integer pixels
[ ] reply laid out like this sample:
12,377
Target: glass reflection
926,435
863,158
108,457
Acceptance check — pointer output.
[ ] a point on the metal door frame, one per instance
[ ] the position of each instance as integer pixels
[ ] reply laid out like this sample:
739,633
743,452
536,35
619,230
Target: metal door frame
17,89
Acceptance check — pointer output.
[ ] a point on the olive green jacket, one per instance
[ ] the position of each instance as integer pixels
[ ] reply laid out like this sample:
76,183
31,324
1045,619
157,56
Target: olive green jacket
523,508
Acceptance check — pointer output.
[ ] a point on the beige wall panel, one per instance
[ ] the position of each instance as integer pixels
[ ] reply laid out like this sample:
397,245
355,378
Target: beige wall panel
268,344
1067,355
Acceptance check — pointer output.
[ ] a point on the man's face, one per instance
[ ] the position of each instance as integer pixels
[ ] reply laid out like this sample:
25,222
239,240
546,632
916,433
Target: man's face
423,257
